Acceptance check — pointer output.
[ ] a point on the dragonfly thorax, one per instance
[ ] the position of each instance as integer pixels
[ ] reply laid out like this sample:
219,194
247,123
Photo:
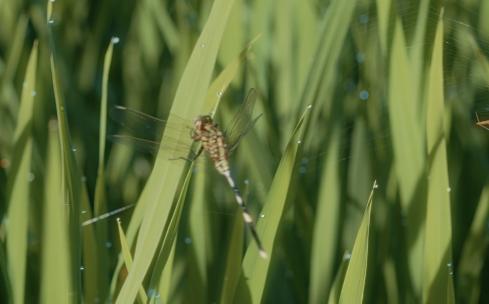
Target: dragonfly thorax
204,126
213,141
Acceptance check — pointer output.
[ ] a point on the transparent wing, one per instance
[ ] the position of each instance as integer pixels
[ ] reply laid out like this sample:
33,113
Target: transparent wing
145,125
144,132
242,121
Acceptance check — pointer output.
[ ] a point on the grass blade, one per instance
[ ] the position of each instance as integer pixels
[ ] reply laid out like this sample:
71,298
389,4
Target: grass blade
474,253
233,260
408,147
326,227
126,253
56,275
255,268
19,188
354,285
335,291
438,265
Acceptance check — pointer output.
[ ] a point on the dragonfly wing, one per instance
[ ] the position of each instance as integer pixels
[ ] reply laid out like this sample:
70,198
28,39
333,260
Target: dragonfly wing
175,148
236,141
242,121
144,132
140,124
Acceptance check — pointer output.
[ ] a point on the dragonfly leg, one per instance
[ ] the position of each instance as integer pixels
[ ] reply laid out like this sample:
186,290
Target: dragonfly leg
191,159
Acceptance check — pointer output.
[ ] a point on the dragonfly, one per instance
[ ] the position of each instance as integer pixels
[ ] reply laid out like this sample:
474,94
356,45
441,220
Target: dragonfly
216,143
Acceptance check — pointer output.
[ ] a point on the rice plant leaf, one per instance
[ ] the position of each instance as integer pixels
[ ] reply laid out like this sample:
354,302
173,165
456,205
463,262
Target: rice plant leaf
15,48
232,271
335,291
71,184
255,269
285,82
225,77
307,23
56,277
474,252
326,225
165,24
71,175
354,285
166,277
408,143
408,147
322,69
100,203
200,235
126,253
438,264
169,238
91,260
421,44
19,183
234,37
383,7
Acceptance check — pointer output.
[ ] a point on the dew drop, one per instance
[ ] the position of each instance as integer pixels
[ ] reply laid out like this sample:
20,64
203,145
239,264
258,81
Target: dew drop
363,18
153,293
450,268
299,142
52,1
83,179
219,94
188,240
115,40
363,95
82,268
51,21
73,149
202,45
309,107
31,177
84,211
262,215
449,189
360,57
347,256
33,93
108,244
247,181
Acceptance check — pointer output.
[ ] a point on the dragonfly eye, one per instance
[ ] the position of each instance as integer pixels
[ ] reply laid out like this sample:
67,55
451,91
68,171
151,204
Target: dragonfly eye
202,120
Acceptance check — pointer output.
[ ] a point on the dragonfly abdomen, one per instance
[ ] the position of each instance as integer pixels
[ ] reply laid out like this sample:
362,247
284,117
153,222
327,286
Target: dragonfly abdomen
218,151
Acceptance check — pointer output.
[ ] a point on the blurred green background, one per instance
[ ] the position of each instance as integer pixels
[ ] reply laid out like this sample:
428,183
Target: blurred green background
366,173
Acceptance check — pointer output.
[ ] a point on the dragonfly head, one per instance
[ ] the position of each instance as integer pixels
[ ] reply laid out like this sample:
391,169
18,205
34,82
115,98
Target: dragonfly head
202,121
